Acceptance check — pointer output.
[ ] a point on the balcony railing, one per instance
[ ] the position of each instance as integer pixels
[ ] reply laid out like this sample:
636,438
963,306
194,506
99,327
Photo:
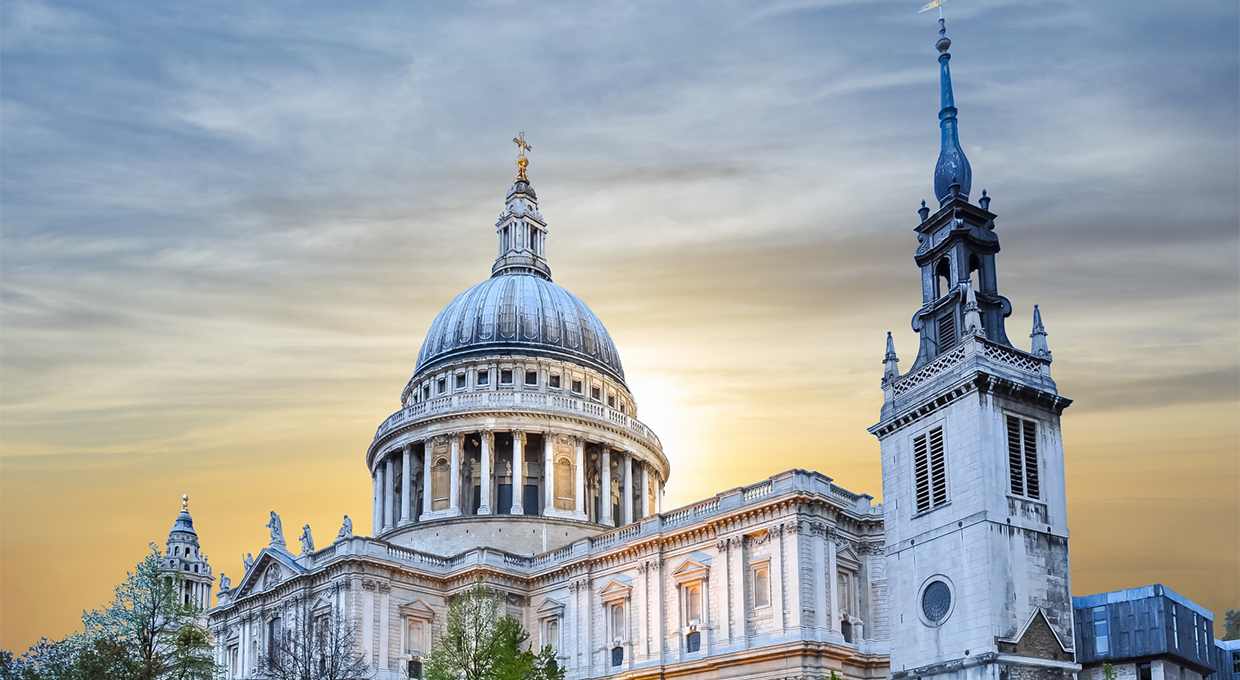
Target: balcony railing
534,401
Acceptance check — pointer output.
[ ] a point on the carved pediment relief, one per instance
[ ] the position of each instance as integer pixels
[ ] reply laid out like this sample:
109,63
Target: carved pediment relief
847,557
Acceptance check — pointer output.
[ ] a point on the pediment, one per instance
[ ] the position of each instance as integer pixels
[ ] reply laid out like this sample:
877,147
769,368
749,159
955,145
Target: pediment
268,572
417,609
320,605
1033,638
616,589
691,570
848,557
550,607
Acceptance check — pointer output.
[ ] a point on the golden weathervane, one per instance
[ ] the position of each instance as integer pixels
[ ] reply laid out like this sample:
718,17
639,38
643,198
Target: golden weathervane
522,161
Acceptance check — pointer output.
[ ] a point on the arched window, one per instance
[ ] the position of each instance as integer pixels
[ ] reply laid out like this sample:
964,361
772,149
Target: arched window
975,272
942,278
565,484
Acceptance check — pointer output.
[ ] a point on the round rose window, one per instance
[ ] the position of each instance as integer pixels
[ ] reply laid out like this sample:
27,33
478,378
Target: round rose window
936,601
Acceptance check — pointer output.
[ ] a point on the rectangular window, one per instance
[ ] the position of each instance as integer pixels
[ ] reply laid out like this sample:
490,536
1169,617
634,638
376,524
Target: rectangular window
1144,672
1175,626
460,381
930,470
624,408
1102,631
531,377
611,400
426,391
947,330
441,386
761,586
1022,440
577,386
554,382
594,393
505,377
484,377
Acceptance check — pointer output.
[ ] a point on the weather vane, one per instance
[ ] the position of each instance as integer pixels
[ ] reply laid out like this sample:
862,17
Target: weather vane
184,502
522,161
931,5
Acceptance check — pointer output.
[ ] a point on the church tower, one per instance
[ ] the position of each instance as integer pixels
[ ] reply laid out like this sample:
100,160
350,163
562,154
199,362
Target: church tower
183,557
973,475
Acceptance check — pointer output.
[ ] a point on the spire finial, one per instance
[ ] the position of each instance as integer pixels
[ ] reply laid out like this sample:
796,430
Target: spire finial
972,318
952,167
184,502
891,370
1039,346
522,161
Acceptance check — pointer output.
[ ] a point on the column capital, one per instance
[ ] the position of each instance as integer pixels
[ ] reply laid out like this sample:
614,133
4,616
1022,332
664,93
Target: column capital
518,435
407,447
488,435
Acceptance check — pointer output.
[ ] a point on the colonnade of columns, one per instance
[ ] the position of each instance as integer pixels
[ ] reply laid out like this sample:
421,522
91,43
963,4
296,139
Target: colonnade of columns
572,479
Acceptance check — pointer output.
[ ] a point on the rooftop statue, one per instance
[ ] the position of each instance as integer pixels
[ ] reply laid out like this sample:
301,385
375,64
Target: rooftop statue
307,541
277,530
346,529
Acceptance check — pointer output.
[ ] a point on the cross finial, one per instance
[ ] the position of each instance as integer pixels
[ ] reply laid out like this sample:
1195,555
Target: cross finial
184,502
522,161
519,140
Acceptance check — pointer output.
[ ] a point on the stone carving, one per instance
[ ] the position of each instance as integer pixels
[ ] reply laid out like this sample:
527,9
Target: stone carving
368,584
307,541
273,577
225,582
277,530
346,529
248,561
383,587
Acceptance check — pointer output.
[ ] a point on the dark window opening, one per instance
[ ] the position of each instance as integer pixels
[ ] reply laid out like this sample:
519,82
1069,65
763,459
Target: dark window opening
460,381
577,386
505,377
595,393
617,656
611,401
529,502
554,381
693,642
442,385
531,377
505,499
846,631
414,669
1144,672
484,377
942,278
975,272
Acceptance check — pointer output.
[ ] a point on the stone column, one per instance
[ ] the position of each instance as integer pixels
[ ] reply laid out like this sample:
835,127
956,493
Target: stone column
518,471
487,439
644,508
428,448
388,488
642,609
833,570
725,593
822,615
793,536
740,624
384,618
778,576
405,473
454,488
626,510
548,474
376,514
581,478
605,485
660,627
658,497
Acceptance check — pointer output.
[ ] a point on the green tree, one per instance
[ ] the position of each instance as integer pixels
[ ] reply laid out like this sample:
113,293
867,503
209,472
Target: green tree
477,642
1231,624
146,617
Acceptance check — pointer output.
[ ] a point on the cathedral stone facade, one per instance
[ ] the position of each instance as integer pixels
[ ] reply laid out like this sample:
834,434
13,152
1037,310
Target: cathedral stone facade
517,458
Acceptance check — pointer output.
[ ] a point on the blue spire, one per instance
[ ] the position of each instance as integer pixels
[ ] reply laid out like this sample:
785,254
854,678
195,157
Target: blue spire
952,168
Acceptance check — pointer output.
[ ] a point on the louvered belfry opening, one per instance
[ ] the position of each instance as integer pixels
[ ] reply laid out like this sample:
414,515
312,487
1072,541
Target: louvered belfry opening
930,469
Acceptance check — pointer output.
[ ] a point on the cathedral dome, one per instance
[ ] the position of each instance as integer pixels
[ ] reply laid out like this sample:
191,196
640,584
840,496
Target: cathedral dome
519,313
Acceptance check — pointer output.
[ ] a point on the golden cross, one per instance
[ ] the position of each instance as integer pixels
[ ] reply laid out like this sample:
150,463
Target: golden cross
520,142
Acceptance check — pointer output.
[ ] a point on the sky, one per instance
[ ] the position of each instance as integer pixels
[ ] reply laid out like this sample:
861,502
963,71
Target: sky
225,228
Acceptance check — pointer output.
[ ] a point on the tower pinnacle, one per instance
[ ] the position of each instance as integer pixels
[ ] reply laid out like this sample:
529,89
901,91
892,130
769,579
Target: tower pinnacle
952,174
522,161
522,232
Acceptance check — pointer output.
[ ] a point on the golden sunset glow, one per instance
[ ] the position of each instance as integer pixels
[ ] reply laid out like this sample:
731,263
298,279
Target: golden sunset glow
224,294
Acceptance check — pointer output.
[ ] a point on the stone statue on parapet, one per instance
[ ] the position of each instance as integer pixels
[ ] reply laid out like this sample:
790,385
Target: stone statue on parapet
346,529
307,541
225,582
248,560
277,530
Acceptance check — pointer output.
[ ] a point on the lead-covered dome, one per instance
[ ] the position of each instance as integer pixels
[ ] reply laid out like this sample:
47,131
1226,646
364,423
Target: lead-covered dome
519,314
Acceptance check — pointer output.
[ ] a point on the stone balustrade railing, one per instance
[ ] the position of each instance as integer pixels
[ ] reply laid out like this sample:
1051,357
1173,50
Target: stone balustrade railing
537,401
728,501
